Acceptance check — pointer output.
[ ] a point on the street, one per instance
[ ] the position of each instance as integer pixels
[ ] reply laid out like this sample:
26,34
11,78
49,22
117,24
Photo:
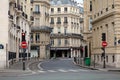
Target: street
63,69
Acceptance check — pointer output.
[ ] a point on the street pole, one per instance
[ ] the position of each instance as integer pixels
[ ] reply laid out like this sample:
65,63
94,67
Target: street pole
104,64
24,59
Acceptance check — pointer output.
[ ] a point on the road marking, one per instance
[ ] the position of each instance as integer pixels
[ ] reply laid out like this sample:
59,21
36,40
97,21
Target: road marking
51,71
61,70
40,71
71,70
39,66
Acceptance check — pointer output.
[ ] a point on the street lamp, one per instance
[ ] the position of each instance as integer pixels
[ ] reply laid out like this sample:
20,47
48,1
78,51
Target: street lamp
71,52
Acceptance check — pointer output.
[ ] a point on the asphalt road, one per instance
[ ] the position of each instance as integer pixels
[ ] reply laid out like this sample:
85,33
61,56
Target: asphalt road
64,69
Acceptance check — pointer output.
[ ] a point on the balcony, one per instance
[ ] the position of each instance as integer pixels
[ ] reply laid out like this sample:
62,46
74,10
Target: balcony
36,12
18,8
58,22
41,28
66,22
51,22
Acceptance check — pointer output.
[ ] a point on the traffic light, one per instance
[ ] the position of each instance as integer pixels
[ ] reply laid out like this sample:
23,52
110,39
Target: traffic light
23,37
103,37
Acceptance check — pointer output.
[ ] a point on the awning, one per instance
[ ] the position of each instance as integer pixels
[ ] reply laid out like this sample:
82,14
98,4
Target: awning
59,48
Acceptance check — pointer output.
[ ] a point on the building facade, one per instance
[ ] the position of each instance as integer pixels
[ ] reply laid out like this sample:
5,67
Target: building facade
14,21
87,28
106,18
40,29
66,37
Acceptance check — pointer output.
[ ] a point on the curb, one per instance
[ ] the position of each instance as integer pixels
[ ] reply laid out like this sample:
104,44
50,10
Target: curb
108,70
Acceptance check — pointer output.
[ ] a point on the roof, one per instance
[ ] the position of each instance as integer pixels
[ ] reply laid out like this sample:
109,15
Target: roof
63,2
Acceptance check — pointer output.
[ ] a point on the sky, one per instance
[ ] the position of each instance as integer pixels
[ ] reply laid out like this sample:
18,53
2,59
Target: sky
81,1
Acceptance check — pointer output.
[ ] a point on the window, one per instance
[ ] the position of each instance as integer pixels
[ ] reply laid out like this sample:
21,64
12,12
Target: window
113,58
37,8
52,20
31,39
90,5
65,9
59,42
65,41
106,58
65,19
52,42
65,30
58,20
37,37
52,10
59,9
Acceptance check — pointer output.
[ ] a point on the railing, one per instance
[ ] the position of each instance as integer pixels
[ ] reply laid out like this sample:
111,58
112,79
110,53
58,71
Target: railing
36,12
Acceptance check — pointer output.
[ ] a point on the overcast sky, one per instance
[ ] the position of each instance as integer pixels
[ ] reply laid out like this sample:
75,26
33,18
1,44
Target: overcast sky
81,1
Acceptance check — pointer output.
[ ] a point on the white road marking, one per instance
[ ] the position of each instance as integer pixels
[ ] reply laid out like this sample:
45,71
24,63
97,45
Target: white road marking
61,70
72,70
40,71
51,71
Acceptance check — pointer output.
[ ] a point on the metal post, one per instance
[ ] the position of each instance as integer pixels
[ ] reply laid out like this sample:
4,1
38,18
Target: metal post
24,59
94,60
104,64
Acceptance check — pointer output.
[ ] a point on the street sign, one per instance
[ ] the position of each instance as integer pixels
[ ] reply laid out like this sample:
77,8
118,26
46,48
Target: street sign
104,43
24,44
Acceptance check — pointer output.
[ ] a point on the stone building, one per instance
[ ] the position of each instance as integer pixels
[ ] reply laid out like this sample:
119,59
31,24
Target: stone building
87,28
106,16
14,20
40,29
66,37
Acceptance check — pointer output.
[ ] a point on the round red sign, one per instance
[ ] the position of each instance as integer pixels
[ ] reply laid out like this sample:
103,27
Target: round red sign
104,43
24,44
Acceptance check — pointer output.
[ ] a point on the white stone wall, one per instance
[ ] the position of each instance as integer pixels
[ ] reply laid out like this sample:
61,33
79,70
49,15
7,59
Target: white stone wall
4,31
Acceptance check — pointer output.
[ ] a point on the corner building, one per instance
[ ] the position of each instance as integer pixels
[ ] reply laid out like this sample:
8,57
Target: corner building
40,29
106,19
66,36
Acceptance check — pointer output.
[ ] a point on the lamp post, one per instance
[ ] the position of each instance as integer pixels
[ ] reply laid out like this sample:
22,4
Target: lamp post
71,52
55,52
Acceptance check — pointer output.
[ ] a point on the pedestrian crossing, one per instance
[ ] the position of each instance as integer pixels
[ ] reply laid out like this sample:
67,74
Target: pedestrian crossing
63,71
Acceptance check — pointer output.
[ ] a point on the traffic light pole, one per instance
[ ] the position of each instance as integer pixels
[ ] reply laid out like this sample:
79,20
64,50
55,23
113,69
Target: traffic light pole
24,59
104,63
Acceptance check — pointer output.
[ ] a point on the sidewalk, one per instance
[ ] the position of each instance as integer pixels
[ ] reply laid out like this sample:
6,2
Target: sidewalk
17,67
100,67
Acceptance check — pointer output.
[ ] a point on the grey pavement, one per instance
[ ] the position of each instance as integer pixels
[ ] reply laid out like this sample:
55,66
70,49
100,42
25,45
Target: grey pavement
64,69
16,68
99,67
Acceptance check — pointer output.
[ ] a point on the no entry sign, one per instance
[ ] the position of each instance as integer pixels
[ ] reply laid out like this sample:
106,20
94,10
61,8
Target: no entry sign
104,43
24,44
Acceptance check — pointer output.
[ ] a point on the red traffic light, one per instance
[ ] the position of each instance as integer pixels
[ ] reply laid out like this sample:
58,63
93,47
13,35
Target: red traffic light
23,37
23,34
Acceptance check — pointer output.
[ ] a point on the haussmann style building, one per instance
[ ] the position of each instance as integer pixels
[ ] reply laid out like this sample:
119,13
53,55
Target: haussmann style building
40,29
15,20
66,36
106,19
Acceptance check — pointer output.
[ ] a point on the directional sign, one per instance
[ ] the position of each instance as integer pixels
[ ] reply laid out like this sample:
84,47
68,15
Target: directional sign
104,43
24,44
